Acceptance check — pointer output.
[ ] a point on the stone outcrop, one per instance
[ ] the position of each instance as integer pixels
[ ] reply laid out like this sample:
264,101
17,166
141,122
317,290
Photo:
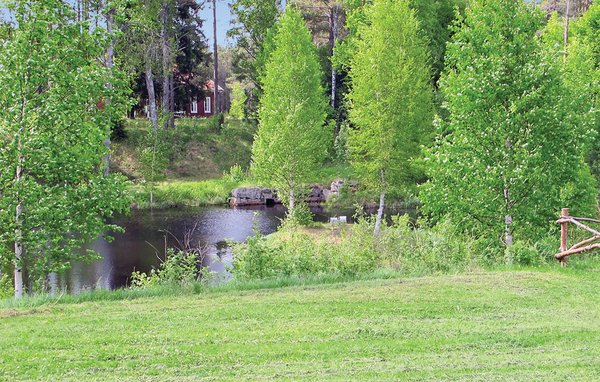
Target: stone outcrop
256,196
253,196
318,194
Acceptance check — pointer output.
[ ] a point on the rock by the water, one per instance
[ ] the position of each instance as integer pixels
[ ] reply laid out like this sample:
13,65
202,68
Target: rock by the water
256,196
318,194
336,187
253,196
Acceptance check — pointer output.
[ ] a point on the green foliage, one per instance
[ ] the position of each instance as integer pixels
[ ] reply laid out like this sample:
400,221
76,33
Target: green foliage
513,143
154,154
51,127
291,142
179,268
253,21
295,253
583,67
6,287
299,216
391,97
238,101
340,144
235,174
405,246
435,18
185,193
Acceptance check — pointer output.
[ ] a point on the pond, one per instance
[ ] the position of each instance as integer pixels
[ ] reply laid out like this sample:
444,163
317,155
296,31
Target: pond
149,232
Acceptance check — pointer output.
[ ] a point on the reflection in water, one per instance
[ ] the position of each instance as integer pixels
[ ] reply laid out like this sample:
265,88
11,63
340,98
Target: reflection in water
149,232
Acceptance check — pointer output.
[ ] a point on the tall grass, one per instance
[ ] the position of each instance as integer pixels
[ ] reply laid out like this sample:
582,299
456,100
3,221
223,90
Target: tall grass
185,193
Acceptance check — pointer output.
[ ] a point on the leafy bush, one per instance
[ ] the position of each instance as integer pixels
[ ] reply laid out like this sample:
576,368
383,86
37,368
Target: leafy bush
291,252
215,123
6,287
235,174
299,216
154,154
178,268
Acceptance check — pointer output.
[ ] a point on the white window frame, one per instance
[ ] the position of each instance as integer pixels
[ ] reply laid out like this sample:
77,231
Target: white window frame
207,105
194,108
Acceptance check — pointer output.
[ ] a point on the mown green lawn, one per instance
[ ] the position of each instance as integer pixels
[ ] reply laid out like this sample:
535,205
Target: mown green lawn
497,326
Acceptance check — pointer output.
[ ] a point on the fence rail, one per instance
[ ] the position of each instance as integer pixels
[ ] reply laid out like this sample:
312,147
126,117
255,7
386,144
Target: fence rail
583,246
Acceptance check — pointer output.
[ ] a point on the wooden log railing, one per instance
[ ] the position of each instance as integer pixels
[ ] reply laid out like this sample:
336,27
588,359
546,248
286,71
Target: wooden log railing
583,246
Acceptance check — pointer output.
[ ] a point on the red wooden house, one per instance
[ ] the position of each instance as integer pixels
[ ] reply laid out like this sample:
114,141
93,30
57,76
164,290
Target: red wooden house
201,105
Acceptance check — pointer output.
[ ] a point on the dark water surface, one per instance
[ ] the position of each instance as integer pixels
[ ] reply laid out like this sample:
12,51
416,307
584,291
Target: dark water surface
149,232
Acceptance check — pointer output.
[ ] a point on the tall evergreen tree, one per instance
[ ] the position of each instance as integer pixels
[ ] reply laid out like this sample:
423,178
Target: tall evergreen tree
291,141
391,98
510,155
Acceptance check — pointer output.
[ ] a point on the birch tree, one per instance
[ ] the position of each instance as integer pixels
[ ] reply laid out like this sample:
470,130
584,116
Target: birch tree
511,152
54,195
292,140
390,98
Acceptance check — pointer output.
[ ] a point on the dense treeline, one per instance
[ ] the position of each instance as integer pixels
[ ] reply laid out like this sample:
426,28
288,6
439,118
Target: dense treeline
487,110
513,132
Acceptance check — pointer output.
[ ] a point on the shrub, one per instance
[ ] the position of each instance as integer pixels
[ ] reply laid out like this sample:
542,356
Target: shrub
178,268
235,174
299,216
154,154
6,287
291,252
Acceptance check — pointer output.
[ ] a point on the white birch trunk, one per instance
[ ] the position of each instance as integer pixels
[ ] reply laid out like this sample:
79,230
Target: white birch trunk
151,97
379,214
19,230
110,58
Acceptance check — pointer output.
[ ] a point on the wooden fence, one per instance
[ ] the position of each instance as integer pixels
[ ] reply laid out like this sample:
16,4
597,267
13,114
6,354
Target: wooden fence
582,246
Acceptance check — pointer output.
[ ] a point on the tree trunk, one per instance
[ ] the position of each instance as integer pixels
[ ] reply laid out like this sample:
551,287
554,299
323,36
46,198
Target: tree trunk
379,214
19,254
110,58
508,237
566,32
167,68
151,97
333,15
19,230
172,100
292,200
216,58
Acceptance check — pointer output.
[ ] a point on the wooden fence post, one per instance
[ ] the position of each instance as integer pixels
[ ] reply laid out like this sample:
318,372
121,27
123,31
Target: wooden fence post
564,229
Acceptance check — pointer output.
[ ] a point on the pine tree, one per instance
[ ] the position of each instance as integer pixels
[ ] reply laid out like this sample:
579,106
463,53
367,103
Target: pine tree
391,98
291,141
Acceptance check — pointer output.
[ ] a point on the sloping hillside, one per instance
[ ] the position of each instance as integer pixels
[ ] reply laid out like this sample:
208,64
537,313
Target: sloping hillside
195,150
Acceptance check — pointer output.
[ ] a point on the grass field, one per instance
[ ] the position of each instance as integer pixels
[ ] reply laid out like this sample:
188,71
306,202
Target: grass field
496,326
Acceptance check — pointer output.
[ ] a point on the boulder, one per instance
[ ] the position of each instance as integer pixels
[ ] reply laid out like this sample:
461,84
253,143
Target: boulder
253,196
318,194
336,187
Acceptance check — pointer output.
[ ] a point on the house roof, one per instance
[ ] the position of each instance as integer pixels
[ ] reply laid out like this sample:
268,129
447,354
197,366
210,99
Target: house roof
210,85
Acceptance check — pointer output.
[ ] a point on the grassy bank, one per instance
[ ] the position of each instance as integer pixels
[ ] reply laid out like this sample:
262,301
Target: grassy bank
512,325
185,193
195,149
195,164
